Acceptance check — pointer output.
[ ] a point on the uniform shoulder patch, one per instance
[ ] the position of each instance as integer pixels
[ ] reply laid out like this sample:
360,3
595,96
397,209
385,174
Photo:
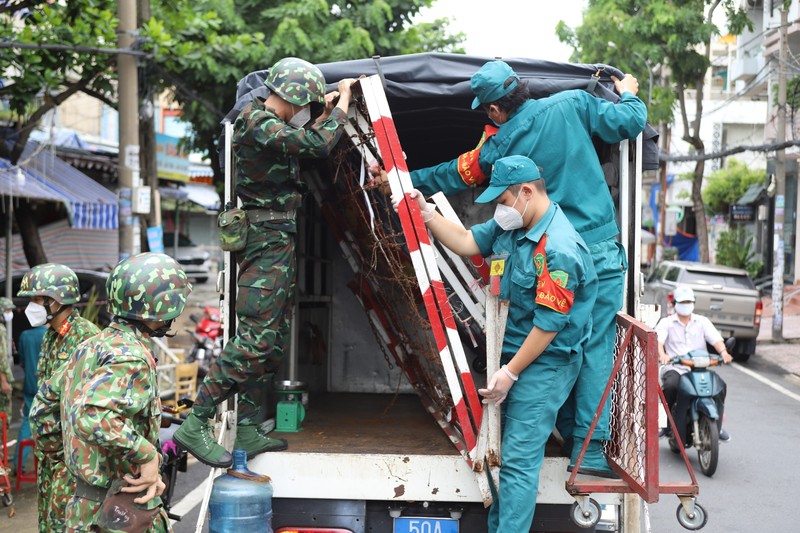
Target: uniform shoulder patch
560,277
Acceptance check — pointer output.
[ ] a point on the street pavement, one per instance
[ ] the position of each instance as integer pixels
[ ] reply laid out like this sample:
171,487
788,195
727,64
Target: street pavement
782,357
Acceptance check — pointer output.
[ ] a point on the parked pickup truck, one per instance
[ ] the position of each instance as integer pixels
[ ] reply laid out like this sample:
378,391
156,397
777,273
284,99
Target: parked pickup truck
727,296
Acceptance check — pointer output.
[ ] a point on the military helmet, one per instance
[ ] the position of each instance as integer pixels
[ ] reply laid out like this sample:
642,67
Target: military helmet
58,282
147,286
6,304
297,81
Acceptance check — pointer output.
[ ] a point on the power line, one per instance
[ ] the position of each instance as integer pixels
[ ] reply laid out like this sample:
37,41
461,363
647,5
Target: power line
725,153
72,48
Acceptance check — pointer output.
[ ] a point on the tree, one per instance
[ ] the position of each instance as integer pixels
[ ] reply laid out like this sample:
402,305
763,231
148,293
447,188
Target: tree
204,66
200,49
726,185
677,35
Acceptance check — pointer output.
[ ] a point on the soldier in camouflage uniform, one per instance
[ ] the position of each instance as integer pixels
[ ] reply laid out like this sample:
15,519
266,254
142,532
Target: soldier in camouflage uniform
270,136
110,403
53,290
6,377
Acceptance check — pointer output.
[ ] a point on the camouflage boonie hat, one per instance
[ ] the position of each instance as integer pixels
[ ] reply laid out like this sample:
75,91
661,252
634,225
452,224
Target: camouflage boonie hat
58,282
6,304
148,286
297,81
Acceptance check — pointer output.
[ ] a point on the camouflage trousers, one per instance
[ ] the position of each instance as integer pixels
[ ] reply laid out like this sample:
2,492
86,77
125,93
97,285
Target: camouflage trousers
263,307
55,487
82,516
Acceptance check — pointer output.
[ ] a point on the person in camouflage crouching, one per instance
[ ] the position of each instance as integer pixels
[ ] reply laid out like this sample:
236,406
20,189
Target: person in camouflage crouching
110,405
269,138
6,377
53,290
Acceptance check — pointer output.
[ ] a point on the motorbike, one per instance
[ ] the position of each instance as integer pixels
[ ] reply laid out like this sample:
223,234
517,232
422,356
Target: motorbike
698,409
206,339
174,458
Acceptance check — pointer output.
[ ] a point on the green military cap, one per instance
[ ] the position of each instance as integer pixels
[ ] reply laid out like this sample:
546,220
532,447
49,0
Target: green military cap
493,81
509,171
56,281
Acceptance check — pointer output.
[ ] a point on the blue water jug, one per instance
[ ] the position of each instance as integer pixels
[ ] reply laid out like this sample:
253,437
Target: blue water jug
241,500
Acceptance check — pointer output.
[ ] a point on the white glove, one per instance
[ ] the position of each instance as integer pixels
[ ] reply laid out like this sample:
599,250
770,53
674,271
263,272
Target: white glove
427,210
498,387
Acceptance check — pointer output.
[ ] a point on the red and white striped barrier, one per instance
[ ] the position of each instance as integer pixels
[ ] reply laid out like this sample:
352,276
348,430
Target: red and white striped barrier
424,261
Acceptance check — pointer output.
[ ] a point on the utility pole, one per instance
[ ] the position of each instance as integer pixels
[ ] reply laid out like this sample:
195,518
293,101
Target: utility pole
129,180
662,204
780,190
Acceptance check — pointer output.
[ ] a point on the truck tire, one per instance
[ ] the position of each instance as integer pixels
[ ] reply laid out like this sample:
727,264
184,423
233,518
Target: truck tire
743,350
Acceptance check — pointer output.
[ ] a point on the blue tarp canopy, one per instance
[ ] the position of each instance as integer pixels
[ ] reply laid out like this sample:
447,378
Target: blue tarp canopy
89,204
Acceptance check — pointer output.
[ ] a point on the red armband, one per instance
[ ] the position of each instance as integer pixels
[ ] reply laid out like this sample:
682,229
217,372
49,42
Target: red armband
551,287
469,167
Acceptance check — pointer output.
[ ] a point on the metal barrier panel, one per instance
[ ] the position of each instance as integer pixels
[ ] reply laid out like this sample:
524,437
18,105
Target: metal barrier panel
633,390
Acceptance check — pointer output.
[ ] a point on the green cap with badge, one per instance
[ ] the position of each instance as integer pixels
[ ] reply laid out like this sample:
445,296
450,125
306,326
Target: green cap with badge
509,171
493,81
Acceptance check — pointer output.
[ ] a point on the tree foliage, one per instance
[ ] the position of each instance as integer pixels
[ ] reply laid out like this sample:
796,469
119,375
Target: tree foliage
726,185
199,49
672,36
206,47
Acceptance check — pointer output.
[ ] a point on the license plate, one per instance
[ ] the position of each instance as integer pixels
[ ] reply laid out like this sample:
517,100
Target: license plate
410,524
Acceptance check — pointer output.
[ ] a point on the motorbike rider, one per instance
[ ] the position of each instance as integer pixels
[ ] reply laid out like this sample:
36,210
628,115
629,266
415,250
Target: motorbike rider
681,333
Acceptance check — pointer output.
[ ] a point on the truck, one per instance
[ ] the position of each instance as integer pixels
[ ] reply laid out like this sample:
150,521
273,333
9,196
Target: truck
374,444
726,295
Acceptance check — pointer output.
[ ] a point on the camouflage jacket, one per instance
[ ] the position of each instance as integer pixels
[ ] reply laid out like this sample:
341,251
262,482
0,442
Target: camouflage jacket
58,349
267,156
110,406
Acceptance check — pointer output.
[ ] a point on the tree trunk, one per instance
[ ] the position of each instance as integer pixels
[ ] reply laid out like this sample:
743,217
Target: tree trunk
29,233
699,210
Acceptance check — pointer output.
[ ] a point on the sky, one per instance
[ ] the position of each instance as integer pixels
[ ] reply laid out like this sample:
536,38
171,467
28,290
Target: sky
509,28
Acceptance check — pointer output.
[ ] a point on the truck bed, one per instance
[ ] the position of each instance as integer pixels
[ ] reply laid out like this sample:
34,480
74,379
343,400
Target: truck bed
352,423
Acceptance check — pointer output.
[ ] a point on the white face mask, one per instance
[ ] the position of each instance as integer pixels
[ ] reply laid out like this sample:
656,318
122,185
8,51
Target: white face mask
8,316
300,118
507,217
37,314
684,309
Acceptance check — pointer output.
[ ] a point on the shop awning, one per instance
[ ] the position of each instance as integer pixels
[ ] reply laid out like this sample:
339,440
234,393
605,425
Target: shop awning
89,204
752,195
20,182
204,196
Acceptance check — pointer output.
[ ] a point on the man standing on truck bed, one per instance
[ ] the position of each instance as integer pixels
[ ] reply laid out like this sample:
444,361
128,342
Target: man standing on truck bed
557,133
269,138
550,282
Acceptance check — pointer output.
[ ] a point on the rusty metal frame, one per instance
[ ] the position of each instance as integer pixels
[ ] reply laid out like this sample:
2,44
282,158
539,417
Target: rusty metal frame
645,482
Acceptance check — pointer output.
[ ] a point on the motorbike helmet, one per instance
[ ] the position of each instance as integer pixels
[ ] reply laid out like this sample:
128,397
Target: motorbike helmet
147,286
297,81
56,281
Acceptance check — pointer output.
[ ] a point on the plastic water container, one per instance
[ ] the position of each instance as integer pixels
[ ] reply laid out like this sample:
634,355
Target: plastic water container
241,500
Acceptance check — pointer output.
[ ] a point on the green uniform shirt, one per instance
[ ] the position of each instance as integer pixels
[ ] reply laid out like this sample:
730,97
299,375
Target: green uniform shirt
111,407
554,290
556,133
58,348
267,153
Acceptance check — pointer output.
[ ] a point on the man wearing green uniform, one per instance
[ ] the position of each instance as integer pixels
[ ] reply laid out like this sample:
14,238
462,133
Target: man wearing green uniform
53,290
6,377
270,136
550,283
557,133
110,404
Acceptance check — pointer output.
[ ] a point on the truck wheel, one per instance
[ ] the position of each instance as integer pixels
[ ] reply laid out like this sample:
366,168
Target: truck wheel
743,350
588,518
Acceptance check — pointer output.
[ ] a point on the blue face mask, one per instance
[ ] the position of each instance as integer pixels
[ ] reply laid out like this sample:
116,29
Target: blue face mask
507,217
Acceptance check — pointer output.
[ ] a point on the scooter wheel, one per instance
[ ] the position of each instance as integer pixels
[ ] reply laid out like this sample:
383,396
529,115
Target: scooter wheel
697,520
586,518
8,499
